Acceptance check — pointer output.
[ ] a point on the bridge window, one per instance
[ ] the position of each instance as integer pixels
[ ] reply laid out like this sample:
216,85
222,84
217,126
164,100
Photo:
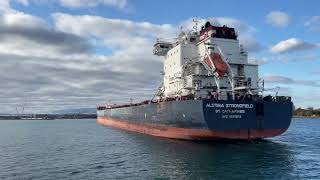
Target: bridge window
192,39
249,81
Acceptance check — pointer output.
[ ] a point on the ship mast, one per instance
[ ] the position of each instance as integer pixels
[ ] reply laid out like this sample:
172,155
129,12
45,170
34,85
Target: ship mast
196,21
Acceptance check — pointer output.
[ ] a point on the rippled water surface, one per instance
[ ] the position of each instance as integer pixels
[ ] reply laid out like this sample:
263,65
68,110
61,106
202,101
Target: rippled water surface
82,149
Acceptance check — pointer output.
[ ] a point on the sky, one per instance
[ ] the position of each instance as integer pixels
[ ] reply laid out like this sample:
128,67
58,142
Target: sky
61,54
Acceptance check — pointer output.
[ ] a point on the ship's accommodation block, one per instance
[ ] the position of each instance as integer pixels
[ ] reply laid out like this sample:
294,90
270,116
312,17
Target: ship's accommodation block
184,70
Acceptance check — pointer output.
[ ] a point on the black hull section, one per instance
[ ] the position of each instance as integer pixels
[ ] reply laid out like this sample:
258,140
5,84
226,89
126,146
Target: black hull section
209,115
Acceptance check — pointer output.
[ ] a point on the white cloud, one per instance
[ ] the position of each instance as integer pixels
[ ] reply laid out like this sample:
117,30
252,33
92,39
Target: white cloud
313,23
127,39
259,61
250,43
291,45
287,80
92,3
298,58
20,20
5,5
52,66
86,25
278,79
23,2
24,34
278,19
121,4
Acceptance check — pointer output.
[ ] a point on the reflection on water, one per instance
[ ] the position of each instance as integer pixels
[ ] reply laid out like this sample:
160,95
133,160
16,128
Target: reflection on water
68,149
217,160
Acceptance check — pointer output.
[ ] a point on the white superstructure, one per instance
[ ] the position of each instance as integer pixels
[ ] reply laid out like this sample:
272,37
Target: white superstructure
206,63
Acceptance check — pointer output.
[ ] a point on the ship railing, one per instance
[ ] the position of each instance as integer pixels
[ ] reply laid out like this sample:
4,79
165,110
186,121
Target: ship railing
276,98
263,98
190,97
126,105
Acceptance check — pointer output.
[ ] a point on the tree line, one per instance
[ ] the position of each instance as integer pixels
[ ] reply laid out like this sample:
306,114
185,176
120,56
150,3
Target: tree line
308,112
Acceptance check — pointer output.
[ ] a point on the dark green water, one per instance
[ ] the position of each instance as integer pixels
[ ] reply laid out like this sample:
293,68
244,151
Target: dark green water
82,149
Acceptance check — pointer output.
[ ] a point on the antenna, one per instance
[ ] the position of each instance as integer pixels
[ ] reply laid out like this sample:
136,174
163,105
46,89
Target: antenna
17,110
196,21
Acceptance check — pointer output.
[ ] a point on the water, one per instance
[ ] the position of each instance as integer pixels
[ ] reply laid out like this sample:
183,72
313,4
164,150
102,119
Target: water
82,149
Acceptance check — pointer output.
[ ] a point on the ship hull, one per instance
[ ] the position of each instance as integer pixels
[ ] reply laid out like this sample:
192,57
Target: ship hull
202,119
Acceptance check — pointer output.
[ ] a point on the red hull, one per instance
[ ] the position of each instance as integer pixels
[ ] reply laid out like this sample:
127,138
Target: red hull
188,134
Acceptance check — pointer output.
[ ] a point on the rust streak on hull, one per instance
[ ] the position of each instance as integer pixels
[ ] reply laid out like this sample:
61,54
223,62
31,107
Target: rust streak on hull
188,134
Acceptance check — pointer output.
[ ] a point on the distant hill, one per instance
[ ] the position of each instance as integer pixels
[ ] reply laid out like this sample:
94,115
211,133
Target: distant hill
76,111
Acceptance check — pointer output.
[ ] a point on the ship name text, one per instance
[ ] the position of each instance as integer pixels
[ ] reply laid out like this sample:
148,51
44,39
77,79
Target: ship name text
220,105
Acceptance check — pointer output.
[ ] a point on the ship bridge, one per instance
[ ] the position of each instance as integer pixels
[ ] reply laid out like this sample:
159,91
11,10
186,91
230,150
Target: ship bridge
161,47
224,32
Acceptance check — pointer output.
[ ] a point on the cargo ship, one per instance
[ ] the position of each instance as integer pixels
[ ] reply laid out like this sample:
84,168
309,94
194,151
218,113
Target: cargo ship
210,91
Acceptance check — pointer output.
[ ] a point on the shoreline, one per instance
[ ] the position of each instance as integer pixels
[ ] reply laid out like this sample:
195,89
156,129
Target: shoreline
311,117
47,117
